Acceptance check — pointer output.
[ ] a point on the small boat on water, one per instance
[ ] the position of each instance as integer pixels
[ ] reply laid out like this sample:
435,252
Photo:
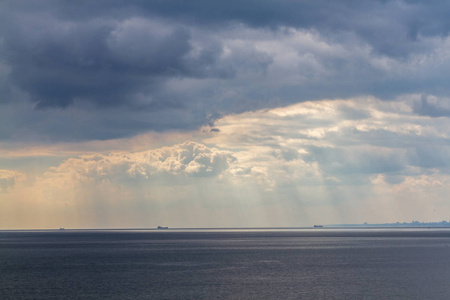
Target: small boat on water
318,226
61,228
162,227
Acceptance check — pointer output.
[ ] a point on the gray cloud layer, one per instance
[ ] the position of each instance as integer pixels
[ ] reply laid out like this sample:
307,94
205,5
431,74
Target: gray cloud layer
123,67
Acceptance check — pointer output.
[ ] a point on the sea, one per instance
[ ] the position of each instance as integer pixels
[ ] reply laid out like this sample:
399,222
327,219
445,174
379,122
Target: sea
321,263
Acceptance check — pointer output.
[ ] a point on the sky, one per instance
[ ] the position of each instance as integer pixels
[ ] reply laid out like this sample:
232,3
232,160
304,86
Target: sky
134,114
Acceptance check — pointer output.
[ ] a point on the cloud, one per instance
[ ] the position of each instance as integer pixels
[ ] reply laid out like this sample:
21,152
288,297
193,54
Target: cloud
392,27
315,143
125,68
334,161
344,141
58,62
299,108
119,189
8,179
178,162
432,107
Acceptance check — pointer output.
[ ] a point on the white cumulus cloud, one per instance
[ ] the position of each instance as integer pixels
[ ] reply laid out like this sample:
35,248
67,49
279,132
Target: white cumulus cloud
183,160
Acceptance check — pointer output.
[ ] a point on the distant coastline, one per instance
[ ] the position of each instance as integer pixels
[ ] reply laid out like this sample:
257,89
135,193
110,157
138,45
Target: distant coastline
413,224
396,224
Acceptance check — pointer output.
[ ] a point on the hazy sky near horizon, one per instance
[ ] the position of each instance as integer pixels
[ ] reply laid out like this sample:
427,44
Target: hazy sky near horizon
223,113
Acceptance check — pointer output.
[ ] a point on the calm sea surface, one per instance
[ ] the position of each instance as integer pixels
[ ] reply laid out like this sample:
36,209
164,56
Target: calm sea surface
218,264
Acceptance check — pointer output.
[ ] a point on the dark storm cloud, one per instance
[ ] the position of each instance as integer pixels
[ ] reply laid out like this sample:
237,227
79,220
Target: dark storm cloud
105,63
172,58
392,27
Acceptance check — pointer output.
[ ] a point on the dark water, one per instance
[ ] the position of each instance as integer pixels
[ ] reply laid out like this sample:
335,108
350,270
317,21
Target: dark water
297,264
